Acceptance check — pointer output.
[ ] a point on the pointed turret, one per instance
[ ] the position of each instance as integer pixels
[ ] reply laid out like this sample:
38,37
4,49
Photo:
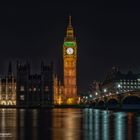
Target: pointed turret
10,68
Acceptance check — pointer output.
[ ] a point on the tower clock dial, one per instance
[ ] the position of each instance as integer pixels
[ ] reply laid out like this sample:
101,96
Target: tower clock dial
69,50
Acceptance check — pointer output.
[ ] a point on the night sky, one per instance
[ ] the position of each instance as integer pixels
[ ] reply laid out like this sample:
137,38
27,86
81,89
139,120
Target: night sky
107,32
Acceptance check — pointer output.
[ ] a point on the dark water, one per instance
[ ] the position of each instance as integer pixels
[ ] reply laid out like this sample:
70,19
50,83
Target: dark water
68,124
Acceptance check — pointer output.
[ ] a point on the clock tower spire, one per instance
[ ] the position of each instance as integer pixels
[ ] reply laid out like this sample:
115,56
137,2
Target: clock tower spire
70,21
70,32
70,66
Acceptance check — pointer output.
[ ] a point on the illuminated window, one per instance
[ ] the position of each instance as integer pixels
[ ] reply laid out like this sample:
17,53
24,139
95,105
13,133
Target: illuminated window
66,63
22,88
70,73
46,88
10,89
65,90
22,97
34,89
73,82
74,91
73,63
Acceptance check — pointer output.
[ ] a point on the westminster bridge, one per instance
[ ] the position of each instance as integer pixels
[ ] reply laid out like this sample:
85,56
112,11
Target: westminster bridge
127,100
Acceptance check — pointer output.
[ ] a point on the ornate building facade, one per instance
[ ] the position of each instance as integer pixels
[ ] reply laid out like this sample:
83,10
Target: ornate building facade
38,90
34,90
8,88
70,66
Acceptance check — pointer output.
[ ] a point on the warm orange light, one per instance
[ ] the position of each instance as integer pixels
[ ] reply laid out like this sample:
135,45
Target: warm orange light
59,100
79,100
70,59
70,101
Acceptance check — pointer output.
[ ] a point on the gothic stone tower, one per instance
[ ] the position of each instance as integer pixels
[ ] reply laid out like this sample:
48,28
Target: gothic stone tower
69,65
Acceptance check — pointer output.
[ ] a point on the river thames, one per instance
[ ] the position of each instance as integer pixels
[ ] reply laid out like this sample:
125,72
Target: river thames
68,124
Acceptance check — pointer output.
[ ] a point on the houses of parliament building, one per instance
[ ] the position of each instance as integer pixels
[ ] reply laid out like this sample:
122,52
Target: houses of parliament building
43,89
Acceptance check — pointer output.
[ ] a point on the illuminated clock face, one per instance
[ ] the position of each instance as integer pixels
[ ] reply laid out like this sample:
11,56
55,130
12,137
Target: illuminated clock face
69,50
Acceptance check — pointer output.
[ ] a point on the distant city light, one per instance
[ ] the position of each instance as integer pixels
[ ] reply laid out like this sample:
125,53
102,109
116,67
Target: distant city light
119,86
96,93
105,90
138,79
90,96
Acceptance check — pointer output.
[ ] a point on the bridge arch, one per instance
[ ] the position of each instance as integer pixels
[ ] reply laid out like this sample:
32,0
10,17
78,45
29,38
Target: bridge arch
130,95
132,99
93,103
131,102
101,103
112,103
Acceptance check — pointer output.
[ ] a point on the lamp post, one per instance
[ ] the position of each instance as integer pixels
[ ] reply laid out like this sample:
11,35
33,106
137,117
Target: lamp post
118,87
105,91
96,93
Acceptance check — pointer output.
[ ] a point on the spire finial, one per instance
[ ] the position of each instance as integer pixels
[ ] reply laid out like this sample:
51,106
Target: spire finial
70,32
70,21
10,68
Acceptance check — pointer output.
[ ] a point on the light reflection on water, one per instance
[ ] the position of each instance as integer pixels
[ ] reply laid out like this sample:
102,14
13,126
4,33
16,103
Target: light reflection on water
68,124
119,122
96,124
105,125
138,127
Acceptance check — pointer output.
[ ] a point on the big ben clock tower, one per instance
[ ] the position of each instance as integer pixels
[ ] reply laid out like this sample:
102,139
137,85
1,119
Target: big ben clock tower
69,65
